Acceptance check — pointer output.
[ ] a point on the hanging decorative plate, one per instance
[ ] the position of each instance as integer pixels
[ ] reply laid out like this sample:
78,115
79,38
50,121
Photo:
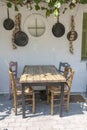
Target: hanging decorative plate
72,35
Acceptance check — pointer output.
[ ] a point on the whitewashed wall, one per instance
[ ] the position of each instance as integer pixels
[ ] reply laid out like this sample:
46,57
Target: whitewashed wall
46,49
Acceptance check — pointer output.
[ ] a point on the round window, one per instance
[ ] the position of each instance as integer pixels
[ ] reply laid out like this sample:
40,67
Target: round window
34,24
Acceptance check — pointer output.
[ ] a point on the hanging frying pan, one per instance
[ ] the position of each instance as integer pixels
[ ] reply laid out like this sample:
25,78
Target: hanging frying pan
20,37
58,29
8,23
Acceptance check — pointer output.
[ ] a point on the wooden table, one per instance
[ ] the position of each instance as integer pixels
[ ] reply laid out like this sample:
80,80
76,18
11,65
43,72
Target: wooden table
41,75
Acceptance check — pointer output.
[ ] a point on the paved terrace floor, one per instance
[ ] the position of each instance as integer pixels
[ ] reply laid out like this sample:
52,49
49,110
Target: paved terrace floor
75,119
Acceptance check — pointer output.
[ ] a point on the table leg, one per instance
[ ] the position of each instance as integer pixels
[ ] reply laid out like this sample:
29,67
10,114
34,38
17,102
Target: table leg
23,101
62,99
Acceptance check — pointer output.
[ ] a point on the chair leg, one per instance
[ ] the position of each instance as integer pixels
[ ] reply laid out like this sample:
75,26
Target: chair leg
67,104
52,103
15,106
33,103
15,109
48,95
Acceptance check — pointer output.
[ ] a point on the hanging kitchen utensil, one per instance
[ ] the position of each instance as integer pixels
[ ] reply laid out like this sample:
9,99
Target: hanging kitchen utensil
8,23
72,35
20,37
58,29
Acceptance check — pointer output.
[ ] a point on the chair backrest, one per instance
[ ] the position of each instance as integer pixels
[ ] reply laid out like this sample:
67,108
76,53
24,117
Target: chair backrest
69,77
62,67
13,83
14,67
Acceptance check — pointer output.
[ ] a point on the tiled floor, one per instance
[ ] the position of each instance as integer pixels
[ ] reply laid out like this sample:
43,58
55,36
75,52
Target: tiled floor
75,119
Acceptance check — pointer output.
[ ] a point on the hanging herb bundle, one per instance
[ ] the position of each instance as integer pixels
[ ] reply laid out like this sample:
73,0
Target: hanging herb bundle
72,35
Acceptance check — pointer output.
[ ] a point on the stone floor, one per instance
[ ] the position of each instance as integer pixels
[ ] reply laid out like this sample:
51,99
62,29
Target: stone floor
75,119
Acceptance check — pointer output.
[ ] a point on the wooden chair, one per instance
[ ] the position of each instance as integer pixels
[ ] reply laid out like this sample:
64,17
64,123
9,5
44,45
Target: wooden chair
54,93
14,66
62,67
62,70
17,94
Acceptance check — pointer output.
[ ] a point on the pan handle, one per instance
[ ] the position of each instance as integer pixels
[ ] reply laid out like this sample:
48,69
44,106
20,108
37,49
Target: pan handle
8,13
58,19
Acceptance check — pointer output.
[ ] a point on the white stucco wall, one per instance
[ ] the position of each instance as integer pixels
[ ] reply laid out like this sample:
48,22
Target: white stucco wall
46,49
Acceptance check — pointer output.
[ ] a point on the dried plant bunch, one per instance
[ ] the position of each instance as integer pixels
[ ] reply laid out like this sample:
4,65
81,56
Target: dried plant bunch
51,6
